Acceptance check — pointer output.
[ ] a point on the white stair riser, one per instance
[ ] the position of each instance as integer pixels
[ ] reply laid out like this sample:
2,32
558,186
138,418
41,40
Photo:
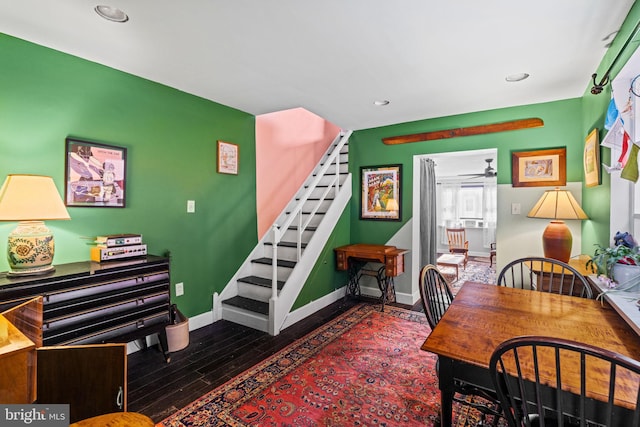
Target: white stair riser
245,318
263,270
315,220
342,167
319,192
310,205
292,236
255,292
328,180
322,206
284,253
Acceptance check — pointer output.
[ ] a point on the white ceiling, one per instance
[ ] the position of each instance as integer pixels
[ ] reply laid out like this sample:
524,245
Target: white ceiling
336,57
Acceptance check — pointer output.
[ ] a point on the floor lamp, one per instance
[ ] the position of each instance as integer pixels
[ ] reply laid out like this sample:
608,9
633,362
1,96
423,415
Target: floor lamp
557,205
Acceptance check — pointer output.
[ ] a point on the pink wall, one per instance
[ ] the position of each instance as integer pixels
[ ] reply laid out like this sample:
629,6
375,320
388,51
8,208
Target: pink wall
289,144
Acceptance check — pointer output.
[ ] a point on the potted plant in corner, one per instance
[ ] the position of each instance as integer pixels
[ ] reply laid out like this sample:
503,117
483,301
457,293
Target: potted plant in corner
619,264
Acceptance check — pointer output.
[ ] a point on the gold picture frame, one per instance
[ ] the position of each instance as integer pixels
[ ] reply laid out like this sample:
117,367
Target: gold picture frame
591,160
228,158
540,168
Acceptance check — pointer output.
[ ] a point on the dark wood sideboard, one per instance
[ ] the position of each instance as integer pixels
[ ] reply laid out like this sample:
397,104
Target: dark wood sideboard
95,303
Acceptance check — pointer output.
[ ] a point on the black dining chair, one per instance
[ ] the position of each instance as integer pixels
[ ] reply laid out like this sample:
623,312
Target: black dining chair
435,293
544,274
528,372
436,296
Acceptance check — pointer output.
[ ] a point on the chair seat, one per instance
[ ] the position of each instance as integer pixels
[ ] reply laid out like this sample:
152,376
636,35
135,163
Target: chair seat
116,419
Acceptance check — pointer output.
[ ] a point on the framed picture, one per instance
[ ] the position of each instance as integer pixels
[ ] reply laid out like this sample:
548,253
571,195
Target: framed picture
227,158
591,160
539,168
95,174
380,195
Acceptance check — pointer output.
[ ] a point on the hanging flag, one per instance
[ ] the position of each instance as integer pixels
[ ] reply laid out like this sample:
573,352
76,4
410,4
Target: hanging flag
624,155
630,171
612,114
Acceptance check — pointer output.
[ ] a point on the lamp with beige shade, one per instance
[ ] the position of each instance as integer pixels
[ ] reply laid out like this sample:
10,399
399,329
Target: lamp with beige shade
557,205
30,199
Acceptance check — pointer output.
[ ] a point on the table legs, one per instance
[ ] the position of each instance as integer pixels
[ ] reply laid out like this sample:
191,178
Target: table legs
385,284
445,379
387,287
353,287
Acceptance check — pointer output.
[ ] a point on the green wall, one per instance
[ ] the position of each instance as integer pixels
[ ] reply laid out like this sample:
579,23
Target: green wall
170,137
171,140
562,128
596,200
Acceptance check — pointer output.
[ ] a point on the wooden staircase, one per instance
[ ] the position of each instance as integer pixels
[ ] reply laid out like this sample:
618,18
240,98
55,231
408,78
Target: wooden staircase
262,292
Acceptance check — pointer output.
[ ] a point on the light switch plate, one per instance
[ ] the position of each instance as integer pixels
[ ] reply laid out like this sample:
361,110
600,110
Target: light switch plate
191,206
515,208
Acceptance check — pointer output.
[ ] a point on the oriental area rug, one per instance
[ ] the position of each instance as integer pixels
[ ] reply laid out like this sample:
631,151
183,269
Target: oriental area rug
478,270
364,368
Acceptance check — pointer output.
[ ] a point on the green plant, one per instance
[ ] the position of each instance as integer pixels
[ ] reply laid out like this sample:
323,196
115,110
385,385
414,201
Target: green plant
605,258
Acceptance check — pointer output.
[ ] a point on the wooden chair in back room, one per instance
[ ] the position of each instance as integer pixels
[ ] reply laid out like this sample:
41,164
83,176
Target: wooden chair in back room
458,243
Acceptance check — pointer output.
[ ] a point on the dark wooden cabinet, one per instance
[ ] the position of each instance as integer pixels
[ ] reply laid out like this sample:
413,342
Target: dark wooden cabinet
91,379
94,303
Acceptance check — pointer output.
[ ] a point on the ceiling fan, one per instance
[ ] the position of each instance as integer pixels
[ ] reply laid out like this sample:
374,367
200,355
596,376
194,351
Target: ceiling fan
489,171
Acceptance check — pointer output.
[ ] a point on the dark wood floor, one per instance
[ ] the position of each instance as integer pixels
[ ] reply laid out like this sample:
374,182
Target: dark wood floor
216,353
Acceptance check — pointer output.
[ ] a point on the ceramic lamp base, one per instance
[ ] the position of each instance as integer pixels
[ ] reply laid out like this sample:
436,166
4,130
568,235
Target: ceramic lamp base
30,249
557,241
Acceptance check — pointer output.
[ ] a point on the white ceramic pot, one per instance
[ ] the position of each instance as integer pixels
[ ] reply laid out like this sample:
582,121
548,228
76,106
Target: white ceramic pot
626,275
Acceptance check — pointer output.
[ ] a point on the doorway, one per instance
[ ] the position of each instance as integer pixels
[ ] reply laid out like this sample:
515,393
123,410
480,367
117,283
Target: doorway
464,185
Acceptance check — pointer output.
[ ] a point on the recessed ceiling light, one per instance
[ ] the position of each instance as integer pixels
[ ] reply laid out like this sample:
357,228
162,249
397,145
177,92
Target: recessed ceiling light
381,103
111,13
516,77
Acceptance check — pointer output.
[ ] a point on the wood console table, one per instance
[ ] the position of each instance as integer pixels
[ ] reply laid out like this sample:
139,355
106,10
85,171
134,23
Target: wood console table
354,257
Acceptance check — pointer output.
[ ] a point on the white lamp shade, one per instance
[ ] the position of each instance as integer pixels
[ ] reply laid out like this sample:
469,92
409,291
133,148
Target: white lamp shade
30,197
557,204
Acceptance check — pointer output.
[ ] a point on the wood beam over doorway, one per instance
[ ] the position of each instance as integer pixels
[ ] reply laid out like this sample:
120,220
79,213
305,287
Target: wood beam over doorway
467,131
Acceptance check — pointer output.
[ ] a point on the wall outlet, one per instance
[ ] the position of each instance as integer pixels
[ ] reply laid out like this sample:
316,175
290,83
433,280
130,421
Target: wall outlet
179,289
191,206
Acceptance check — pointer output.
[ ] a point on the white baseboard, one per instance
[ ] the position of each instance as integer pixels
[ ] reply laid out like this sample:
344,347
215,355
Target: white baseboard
195,322
307,310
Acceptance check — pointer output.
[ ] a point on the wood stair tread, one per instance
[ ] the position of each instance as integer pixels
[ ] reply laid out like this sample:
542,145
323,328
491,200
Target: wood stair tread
281,262
287,244
260,281
309,213
248,304
309,228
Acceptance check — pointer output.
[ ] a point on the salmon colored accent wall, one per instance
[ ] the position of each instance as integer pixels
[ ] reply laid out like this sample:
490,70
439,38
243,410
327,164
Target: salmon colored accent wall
289,145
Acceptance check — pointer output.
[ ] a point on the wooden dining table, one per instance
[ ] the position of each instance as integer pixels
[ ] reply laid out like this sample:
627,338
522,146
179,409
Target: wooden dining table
483,316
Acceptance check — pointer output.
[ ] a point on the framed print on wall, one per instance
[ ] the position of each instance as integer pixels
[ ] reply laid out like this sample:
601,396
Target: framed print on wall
228,158
380,192
591,160
95,174
539,168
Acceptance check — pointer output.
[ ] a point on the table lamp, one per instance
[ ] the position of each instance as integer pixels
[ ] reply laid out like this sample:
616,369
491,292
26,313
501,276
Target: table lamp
557,204
30,199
